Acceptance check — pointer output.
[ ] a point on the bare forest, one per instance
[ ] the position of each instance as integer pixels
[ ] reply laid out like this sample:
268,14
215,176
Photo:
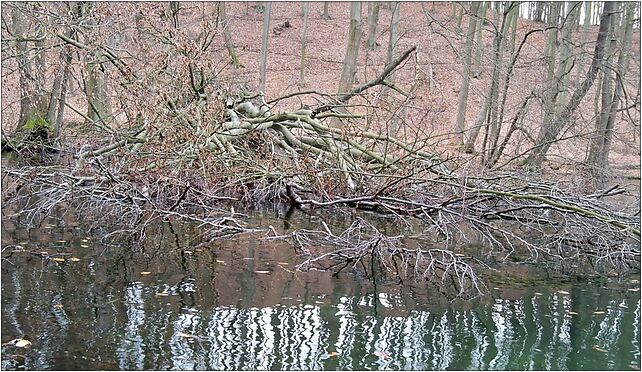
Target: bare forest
491,131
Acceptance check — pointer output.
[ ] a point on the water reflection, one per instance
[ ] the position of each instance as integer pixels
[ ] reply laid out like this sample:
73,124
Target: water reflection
237,306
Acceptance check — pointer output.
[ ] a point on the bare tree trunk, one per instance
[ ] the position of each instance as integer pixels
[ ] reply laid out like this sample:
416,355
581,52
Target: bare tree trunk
306,10
373,19
264,45
32,101
352,52
326,13
460,123
599,151
227,34
476,68
392,48
549,133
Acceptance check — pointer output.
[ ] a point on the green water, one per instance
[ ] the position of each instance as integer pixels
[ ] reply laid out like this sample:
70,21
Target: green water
239,304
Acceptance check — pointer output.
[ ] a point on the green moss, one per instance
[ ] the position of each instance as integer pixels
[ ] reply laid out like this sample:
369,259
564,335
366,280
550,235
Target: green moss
35,123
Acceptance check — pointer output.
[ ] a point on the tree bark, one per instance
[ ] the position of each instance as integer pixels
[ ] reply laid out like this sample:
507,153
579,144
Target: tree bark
598,157
227,34
264,45
460,123
304,31
549,133
373,19
352,52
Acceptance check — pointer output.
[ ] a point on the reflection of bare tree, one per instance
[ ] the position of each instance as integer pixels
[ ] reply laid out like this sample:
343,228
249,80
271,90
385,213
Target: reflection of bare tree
540,331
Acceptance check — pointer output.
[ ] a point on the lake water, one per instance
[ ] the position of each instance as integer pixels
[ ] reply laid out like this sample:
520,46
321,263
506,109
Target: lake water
239,304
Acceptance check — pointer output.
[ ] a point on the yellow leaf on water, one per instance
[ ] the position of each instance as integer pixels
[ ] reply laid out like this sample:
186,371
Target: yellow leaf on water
21,342
58,259
145,272
572,313
74,259
563,292
598,312
634,289
163,294
186,335
382,354
61,241
84,246
332,353
597,348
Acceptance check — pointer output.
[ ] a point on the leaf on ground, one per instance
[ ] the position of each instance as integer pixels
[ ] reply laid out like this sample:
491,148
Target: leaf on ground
21,342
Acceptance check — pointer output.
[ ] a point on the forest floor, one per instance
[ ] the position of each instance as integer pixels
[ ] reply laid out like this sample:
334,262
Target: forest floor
434,79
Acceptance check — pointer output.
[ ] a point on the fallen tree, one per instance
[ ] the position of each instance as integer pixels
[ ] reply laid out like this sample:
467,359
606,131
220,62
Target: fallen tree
186,163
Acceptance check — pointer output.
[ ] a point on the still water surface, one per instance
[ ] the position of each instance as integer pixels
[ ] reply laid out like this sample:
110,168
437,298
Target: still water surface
238,304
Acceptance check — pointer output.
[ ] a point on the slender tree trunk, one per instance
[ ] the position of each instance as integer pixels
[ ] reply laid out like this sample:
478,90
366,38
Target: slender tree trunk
598,157
550,56
326,12
476,68
227,35
583,39
352,52
373,19
549,133
460,123
306,10
32,101
392,48
264,45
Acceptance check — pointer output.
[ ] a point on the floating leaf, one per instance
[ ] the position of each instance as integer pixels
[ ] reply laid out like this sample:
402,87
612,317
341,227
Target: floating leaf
163,294
634,289
283,263
220,261
262,271
248,258
597,348
58,259
598,312
74,259
145,272
21,342
623,306
186,335
84,240
44,253
84,246
382,354
572,313
188,252
537,294
57,306
332,354
61,241
563,292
